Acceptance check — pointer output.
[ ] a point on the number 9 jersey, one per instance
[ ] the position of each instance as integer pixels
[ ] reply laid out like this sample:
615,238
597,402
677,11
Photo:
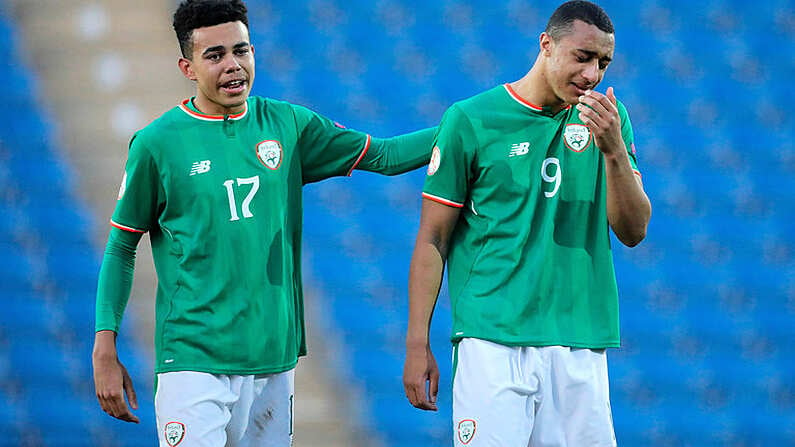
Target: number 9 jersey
221,199
530,262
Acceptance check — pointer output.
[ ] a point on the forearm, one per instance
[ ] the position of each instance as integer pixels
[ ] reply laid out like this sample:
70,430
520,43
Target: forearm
628,207
399,154
115,279
425,279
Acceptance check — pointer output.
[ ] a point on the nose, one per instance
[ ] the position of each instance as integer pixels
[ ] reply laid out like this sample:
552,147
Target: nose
591,72
232,64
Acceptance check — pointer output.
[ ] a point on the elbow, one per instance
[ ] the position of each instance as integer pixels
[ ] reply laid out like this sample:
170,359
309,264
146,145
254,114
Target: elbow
632,235
632,239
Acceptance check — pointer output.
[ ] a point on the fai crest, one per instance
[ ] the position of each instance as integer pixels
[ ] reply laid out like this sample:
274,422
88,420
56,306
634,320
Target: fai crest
466,431
175,433
269,153
436,158
577,137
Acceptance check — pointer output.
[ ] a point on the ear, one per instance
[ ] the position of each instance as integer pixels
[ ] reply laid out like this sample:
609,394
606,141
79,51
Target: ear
545,44
186,67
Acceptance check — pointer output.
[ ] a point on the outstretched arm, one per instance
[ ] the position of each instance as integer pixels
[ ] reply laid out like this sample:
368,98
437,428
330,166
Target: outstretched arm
628,207
111,379
399,154
420,372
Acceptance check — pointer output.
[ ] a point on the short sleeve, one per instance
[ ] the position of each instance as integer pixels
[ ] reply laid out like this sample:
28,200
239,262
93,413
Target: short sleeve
450,169
327,149
628,135
139,193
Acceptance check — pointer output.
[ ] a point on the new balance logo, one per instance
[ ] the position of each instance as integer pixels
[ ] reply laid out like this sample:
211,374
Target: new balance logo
200,167
518,149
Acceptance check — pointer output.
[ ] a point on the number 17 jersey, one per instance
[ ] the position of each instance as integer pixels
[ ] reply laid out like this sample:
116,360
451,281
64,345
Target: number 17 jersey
529,262
221,199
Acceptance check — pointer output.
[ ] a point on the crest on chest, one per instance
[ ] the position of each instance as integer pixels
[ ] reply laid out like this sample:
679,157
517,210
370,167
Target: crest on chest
270,154
577,137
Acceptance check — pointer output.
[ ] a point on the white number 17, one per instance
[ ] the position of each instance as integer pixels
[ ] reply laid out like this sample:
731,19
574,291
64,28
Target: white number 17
246,205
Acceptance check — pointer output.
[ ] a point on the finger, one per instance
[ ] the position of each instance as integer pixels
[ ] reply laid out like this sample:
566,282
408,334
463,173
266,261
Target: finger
123,412
611,95
587,116
418,396
130,390
433,386
598,102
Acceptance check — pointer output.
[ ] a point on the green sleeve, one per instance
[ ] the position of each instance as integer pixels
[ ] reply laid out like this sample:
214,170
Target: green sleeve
326,148
140,194
628,135
450,170
396,155
115,278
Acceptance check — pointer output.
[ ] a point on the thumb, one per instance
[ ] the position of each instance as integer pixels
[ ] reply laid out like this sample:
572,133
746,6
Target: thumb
611,95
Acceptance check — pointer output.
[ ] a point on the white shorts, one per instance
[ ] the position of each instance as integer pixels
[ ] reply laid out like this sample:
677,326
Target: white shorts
511,396
196,409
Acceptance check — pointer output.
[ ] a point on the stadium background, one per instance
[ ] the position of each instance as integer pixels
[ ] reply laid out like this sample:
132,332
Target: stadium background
707,301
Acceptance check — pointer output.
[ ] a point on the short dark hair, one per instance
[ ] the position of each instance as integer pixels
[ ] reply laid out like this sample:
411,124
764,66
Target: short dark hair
560,23
192,14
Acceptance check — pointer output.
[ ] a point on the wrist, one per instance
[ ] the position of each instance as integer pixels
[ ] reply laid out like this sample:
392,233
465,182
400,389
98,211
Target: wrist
416,343
104,346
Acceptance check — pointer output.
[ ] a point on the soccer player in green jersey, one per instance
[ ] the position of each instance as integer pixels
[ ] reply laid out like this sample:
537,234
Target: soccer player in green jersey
524,182
217,182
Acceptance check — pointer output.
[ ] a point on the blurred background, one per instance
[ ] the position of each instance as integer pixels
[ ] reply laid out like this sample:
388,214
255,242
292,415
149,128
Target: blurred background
707,301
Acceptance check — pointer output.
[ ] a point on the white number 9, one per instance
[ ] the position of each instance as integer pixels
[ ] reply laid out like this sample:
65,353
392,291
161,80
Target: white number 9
554,178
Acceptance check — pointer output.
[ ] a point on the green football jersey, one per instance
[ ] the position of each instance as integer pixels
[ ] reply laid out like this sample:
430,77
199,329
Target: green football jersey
530,262
221,199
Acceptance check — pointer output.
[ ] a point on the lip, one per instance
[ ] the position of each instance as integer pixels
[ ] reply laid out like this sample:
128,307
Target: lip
232,91
580,91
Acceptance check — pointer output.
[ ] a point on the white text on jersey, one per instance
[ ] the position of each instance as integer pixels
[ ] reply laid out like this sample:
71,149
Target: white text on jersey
519,149
200,167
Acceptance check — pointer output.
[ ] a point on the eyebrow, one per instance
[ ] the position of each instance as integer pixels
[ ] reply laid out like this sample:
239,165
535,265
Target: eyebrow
221,48
595,54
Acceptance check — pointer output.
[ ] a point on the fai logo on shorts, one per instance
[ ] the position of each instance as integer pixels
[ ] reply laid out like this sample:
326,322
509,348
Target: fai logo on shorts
436,158
577,137
269,153
466,431
175,433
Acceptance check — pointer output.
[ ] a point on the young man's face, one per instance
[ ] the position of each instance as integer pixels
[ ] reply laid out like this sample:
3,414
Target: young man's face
577,61
223,67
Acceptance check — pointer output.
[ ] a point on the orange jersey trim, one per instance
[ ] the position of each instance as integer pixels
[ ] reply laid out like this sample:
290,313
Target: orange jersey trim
526,103
521,100
126,228
361,156
442,200
205,117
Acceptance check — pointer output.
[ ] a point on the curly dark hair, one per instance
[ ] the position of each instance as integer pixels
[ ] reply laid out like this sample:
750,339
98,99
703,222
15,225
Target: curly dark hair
561,21
192,14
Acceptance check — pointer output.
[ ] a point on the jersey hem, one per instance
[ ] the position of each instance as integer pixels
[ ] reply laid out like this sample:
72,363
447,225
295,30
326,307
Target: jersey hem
442,200
230,371
536,343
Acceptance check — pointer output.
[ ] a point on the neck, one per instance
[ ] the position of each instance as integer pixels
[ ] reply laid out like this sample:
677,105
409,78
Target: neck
534,87
208,107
